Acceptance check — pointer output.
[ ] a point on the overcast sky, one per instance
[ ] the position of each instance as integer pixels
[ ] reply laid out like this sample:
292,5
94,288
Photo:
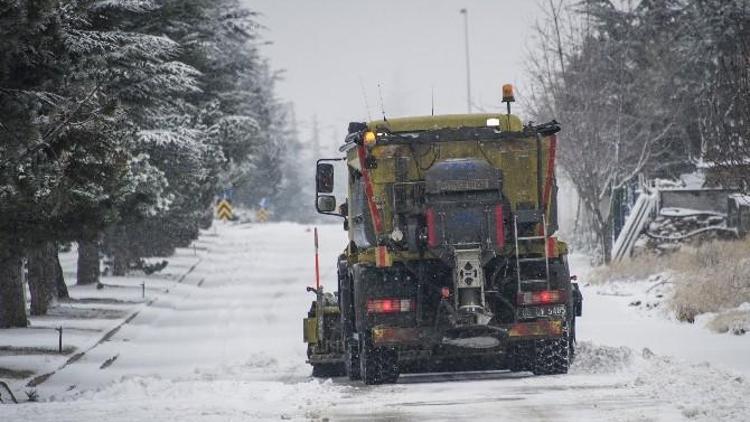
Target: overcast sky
336,52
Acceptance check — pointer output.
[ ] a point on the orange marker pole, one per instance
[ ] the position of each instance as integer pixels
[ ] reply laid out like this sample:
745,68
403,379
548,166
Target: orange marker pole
317,263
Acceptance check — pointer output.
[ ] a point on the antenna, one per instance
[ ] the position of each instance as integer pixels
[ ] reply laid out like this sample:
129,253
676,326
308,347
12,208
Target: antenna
364,98
382,105
468,64
432,100
316,136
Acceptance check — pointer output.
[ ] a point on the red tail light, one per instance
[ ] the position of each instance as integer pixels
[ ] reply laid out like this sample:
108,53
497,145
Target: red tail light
543,297
432,240
390,306
499,227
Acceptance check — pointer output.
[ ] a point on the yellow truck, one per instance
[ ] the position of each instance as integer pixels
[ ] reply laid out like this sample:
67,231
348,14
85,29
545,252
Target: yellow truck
452,261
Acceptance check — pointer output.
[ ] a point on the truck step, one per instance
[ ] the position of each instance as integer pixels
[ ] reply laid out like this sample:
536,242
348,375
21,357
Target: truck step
542,259
534,280
531,238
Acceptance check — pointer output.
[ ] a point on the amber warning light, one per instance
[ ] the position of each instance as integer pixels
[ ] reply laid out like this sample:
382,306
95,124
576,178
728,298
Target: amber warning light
508,94
370,138
508,98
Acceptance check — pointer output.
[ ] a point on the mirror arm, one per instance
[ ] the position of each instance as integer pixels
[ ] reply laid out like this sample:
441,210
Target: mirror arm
335,214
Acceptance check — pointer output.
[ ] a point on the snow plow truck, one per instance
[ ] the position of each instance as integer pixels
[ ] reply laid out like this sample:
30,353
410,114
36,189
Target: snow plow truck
452,262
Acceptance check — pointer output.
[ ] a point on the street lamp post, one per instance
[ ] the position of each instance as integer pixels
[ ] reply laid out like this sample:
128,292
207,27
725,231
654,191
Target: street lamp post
468,67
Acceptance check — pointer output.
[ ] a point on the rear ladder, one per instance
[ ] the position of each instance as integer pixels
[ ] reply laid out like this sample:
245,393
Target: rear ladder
519,261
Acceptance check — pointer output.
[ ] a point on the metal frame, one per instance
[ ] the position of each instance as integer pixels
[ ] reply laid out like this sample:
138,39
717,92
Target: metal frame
449,134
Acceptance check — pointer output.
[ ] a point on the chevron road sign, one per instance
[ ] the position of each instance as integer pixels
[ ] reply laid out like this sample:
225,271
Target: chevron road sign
224,210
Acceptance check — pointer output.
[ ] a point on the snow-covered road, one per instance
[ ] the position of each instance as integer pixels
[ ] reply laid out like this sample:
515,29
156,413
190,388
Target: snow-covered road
230,349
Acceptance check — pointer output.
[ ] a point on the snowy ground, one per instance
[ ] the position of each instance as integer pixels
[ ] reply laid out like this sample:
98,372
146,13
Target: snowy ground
226,346
87,317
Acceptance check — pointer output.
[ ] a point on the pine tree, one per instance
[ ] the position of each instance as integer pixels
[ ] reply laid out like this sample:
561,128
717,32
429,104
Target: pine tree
28,104
215,127
119,117
73,92
718,48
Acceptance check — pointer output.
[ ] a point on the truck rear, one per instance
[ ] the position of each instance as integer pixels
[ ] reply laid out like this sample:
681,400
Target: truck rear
452,261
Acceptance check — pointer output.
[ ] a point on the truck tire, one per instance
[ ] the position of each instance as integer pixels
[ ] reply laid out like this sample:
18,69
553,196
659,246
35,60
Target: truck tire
327,370
552,356
522,357
351,360
378,365
572,339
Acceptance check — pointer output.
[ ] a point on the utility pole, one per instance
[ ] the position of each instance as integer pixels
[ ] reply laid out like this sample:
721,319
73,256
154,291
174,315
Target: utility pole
468,67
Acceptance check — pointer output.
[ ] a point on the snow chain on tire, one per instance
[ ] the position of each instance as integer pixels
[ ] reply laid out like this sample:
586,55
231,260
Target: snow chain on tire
378,365
552,356
351,360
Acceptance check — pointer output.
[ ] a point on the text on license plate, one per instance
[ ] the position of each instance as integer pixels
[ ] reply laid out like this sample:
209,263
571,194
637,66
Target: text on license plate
529,312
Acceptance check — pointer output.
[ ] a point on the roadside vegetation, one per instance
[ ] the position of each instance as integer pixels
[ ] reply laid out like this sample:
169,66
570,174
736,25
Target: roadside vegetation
120,123
711,278
642,89
650,90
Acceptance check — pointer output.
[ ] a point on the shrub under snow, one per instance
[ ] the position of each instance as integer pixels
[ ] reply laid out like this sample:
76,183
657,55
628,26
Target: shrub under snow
711,278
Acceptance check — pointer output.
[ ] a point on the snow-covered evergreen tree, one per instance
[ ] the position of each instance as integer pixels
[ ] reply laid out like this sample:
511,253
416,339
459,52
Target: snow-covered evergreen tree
120,120
190,138
717,48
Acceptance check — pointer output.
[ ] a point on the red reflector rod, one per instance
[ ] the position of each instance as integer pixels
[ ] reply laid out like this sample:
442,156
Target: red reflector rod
499,227
551,247
432,240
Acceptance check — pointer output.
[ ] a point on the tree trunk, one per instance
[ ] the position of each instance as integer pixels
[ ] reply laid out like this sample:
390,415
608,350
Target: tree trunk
120,262
577,223
604,236
12,300
88,262
62,288
42,277
601,228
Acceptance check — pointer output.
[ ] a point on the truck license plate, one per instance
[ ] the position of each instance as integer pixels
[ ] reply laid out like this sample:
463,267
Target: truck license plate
530,312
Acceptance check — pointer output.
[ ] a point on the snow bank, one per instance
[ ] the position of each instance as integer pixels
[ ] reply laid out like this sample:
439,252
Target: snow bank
596,359
700,391
636,314
735,321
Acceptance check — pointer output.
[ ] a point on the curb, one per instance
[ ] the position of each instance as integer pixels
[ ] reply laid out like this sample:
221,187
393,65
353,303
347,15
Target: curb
39,379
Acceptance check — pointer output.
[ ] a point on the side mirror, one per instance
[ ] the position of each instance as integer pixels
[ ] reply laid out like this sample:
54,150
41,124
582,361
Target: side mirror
324,179
326,203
